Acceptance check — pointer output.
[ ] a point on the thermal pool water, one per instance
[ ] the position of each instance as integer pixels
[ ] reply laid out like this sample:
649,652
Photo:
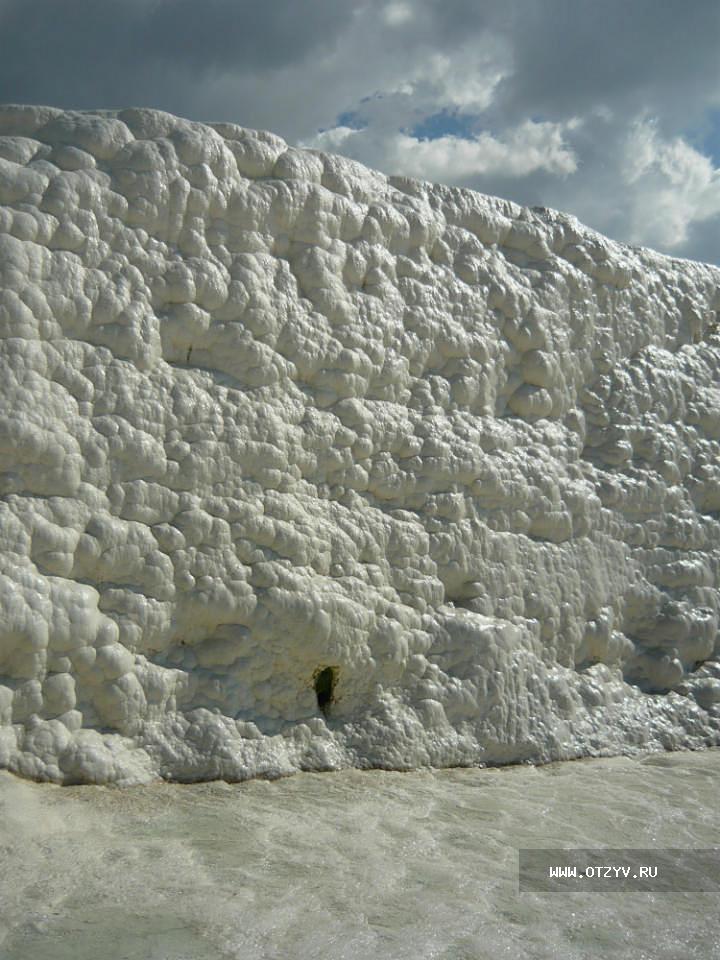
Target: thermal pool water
353,865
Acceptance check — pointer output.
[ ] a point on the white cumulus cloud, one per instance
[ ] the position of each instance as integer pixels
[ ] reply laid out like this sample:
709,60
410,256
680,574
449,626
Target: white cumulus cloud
672,186
396,14
518,152
541,101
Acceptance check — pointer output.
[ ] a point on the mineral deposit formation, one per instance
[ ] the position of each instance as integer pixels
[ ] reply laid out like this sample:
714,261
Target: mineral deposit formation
303,466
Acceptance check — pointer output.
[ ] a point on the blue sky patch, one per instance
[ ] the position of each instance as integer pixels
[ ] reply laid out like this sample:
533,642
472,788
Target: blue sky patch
352,119
348,118
711,141
706,138
446,123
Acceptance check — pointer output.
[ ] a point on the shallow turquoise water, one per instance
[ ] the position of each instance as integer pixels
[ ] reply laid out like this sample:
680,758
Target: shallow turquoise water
352,865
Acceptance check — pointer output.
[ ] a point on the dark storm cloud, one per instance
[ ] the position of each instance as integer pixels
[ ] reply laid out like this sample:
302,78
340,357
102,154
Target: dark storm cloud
572,54
568,56
608,109
87,53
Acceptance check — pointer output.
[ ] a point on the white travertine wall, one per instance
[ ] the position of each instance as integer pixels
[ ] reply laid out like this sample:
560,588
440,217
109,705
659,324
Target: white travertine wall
266,412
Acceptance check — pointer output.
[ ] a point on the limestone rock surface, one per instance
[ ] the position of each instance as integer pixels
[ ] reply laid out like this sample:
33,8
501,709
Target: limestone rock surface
303,466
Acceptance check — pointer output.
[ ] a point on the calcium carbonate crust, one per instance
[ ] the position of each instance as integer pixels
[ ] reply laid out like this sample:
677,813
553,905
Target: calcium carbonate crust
269,416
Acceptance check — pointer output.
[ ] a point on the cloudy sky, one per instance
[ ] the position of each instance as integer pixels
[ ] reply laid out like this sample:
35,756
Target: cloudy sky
608,109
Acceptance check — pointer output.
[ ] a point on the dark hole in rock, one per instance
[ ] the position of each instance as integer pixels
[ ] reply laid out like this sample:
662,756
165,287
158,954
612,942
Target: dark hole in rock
325,687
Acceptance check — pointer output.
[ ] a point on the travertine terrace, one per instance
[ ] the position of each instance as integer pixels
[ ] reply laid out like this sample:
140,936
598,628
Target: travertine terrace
302,466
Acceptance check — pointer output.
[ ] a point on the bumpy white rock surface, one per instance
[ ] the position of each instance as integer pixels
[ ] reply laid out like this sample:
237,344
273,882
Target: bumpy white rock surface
266,412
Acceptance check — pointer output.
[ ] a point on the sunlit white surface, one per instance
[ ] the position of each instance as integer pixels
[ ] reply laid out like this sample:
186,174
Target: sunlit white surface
266,413
352,865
